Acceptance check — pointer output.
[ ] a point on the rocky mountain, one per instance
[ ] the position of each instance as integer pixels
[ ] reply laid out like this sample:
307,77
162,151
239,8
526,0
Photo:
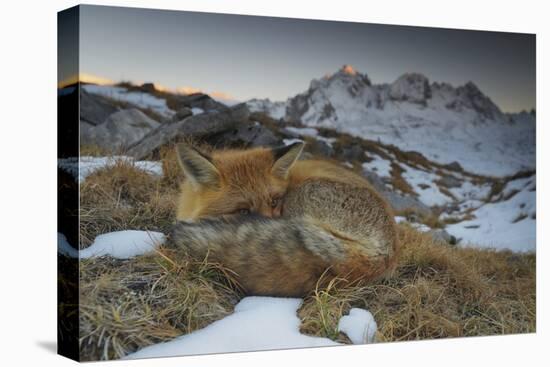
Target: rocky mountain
442,122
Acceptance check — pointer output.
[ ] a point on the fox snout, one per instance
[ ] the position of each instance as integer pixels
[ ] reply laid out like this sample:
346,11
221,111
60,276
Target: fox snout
270,212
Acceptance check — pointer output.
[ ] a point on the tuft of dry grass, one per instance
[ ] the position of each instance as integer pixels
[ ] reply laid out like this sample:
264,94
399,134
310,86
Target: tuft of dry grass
126,305
438,291
124,197
398,182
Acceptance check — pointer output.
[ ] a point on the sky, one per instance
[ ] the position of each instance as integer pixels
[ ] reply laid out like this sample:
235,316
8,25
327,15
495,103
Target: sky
246,57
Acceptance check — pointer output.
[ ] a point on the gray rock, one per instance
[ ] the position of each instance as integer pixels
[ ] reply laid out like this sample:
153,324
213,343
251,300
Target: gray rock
450,181
441,235
204,102
198,126
397,201
247,134
95,109
353,153
181,114
119,131
148,87
322,148
198,100
454,166
401,202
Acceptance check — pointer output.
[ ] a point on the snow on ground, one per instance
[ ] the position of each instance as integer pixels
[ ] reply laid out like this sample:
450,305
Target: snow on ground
259,323
197,111
378,165
64,248
420,227
121,244
140,99
359,326
291,141
506,224
311,132
87,165
423,183
470,191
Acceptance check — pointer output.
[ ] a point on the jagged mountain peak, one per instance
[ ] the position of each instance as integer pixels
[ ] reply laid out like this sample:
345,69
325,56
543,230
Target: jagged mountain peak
348,69
346,74
412,87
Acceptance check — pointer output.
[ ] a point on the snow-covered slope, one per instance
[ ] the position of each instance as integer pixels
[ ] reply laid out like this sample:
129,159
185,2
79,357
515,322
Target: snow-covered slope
138,98
442,122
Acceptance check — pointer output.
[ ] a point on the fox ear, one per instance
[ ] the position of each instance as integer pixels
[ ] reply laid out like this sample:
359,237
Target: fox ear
285,157
198,167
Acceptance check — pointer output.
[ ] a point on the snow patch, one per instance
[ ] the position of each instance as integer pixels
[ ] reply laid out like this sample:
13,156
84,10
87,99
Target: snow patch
311,132
378,165
423,183
292,141
258,323
420,227
197,111
86,165
359,326
138,98
506,224
306,131
64,248
123,244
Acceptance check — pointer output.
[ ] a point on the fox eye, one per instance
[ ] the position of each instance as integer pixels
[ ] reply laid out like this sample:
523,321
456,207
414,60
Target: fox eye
275,202
243,211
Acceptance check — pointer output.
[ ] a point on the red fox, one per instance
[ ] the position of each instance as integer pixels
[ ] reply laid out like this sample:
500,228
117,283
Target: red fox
281,223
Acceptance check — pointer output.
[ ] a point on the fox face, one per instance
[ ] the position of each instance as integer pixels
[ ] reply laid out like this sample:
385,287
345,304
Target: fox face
234,182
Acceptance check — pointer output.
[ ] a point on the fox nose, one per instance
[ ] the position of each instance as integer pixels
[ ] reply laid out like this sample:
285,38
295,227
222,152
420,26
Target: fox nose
270,212
266,212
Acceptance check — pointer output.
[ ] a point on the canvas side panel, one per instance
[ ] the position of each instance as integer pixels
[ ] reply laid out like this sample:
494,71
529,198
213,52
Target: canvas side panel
67,184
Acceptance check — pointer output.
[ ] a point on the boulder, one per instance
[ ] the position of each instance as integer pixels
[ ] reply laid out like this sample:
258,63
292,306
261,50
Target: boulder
94,109
454,166
248,134
197,100
181,114
441,235
450,181
120,130
202,126
353,153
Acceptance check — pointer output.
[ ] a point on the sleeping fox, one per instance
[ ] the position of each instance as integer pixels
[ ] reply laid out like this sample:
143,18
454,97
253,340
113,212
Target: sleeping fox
281,223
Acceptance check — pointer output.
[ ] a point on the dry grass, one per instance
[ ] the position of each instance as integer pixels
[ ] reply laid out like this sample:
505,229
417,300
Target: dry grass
94,151
437,291
129,304
398,182
122,197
